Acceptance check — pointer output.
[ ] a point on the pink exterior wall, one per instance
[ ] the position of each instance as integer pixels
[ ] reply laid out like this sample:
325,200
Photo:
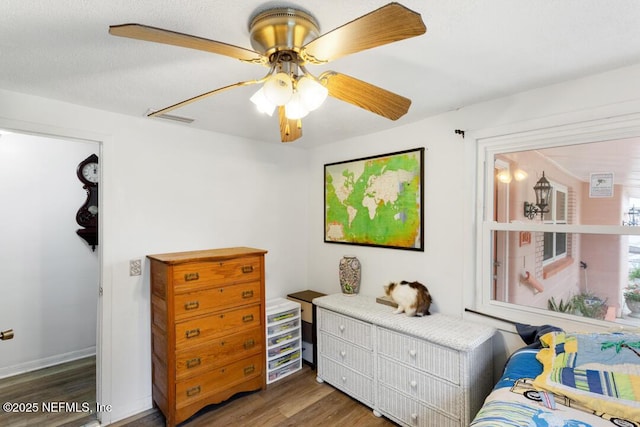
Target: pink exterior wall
567,281
604,255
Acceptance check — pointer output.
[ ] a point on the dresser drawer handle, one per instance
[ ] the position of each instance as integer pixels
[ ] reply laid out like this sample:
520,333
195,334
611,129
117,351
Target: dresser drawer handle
413,384
341,328
190,277
344,379
249,344
191,305
247,269
412,353
193,333
247,318
193,391
192,363
343,353
247,294
414,417
249,370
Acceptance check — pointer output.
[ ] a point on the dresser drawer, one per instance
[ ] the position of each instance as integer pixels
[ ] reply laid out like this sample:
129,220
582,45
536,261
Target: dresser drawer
349,329
346,379
418,385
410,411
218,352
436,360
192,276
347,354
208,300
199,330
193,389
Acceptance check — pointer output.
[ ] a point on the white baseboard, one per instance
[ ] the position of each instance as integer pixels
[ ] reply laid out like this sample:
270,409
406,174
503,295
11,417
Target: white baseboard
34,365
124,410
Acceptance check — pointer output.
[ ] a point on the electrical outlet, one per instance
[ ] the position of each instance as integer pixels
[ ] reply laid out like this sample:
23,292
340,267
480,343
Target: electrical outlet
135,267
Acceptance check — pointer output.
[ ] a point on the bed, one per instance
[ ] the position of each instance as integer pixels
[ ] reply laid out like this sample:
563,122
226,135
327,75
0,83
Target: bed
564,379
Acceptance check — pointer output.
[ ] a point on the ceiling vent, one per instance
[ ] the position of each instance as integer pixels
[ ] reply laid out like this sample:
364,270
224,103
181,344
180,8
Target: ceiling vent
175,118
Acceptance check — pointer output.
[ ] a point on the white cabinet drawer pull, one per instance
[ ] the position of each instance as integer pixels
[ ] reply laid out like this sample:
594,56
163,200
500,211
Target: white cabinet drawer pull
341,328
343,353
414,417
344,379
412,353
413,384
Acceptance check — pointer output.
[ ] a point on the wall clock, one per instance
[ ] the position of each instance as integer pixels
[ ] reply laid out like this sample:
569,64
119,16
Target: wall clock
87,217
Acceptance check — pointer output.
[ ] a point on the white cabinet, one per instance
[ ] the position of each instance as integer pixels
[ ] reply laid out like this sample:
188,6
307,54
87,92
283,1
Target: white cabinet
284,351
346,354
418,371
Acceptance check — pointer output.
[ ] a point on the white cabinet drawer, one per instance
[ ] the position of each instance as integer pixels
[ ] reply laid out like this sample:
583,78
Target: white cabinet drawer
437,360
351,382
418,385
347,354
411,412
352,330
433,371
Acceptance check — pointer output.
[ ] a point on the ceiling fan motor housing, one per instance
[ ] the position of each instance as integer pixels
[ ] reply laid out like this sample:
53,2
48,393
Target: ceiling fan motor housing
282,29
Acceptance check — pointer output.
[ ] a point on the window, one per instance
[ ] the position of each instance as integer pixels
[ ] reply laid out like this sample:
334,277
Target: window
574,258
555,244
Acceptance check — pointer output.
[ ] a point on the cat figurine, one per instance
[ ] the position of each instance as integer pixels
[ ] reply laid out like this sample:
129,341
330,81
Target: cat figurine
412,297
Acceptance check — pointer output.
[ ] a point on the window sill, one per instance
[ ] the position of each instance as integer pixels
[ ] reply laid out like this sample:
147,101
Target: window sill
556,267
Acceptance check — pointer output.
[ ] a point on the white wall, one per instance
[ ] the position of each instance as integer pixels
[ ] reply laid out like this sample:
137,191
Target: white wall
447,265
49,274
439,266
168,187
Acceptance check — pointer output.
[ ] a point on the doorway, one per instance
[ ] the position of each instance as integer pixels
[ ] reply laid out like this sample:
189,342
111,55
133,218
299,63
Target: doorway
51,276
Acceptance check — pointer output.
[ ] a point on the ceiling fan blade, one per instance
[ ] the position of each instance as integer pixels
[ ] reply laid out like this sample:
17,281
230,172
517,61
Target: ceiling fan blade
388,24
365,95
158,35
202,96
290,130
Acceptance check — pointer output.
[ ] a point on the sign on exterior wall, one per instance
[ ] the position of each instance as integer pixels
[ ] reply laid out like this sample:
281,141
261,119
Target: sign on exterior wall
601,185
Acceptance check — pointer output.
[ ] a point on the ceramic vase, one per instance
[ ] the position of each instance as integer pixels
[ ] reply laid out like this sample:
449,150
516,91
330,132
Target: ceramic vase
349,272
634,306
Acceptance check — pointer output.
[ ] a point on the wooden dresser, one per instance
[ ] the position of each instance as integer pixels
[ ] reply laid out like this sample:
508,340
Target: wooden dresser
418,371
207,328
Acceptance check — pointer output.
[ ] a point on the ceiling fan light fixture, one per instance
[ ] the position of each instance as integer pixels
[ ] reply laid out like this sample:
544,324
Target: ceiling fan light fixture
295,109
285,39
262,103
278,89
312,93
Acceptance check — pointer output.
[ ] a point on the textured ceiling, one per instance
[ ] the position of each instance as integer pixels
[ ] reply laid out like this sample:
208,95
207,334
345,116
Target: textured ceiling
472,51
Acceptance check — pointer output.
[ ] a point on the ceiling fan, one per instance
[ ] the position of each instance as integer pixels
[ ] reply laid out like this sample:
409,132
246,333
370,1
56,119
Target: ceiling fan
286,39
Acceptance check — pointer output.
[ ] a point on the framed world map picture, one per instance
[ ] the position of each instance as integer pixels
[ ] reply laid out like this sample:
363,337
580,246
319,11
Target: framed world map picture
376,201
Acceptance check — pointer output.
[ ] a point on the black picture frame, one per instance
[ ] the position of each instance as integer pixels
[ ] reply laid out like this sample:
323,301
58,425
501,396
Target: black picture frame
373,201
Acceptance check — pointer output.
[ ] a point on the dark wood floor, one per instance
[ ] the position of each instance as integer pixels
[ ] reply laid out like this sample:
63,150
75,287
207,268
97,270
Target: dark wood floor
57,396
297,400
